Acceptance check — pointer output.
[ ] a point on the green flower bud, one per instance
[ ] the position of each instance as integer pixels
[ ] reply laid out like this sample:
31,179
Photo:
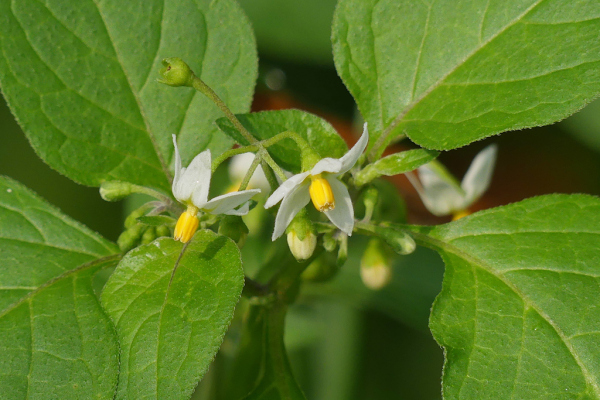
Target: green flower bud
370,198
149,235
175,72
234,227
301,236
115,190
163,231
375,265
401,242
342,251
130,238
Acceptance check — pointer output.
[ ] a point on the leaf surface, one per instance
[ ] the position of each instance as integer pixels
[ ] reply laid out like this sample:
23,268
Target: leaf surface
39,243
80,76
52,328
519,311
170,325
448,73
263,125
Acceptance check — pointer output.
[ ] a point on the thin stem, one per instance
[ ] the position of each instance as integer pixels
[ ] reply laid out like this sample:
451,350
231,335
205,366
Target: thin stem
230,153
203,88
249,173
276,168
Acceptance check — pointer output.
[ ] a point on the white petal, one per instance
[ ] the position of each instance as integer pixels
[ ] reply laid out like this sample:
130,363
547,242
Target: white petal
293,202
351,157
478,177
332,165
439,196
177,167
342,215
194,180
243,210
227,202
286,187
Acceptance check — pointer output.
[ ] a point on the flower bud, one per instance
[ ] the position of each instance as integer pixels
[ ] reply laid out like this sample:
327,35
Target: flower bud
370,199
115,190
401,242
343,250
234,227
149,235
163,230
130,238
301,237
375,265
175,72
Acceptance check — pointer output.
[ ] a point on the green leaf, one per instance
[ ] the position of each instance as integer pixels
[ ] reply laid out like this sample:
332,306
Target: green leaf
157,220
39,243
263,125
276,380
519,311
395,164
57,343
52,328
171,313
448,73
80,76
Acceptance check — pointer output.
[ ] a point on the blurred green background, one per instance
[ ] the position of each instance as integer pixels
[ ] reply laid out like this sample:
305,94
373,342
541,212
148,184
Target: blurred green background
347,341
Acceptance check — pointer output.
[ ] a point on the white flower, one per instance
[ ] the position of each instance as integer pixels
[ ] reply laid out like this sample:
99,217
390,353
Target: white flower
442,198
190,187
321,184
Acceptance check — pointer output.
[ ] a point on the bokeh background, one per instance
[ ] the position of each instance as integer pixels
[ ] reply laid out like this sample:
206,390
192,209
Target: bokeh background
347,341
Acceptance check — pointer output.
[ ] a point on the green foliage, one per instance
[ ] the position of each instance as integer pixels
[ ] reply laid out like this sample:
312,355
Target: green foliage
448,73
518,312
52,328
321,136
171,312
81,79
395,164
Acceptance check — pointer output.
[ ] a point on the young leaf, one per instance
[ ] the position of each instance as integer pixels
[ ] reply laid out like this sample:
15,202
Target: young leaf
519,311
171,312
80,76
394,164
263,125
448,73
39,243
57,343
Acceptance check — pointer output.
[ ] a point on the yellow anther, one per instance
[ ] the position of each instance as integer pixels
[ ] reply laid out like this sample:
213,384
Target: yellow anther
187,225
321,194
460,214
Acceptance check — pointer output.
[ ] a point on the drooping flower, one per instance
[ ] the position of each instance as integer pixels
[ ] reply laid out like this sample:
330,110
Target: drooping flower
321,185
190,187
441,197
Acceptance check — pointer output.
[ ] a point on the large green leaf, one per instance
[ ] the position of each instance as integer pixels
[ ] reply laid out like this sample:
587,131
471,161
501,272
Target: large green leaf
39,243
80,76
453,71
171,313
263,125
519,311
55,340
57,343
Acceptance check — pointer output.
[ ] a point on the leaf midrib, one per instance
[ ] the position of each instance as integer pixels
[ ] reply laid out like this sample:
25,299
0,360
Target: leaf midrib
431,88
437,244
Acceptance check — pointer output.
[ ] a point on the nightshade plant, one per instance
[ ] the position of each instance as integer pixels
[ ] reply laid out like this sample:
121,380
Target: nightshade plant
519,312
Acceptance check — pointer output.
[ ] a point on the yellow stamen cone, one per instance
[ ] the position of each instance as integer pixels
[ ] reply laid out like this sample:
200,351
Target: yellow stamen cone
321,194
187,225
460,214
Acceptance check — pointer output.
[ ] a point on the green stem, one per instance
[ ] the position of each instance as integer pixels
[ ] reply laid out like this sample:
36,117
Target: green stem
269,175
203,88
249,173
230,153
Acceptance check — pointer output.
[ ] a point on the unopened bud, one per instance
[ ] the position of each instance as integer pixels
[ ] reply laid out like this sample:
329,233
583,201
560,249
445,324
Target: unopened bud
401,242
302,249
130,238
343,250
234,227
115,190
370,198
175,72
149,235
375,265
163,231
